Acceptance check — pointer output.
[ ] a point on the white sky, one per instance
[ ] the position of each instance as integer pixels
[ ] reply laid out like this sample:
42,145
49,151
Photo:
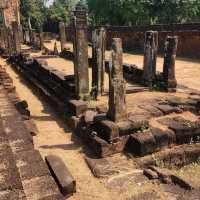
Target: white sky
49,2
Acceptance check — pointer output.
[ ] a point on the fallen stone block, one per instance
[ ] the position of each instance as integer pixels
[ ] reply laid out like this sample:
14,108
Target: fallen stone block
61,174
163,137
77,107
167,109
125,128
104,149
150,174
100,167
142,143
181,182
107,130
163,174
155,112
139,121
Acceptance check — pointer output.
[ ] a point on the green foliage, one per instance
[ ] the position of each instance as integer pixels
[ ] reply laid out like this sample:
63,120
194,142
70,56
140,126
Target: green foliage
113,12
127,12
35,9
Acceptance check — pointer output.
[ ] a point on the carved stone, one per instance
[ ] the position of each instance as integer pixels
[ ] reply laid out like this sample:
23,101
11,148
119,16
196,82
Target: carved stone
169,63
117,86
62,35
81,52
150,57
98,56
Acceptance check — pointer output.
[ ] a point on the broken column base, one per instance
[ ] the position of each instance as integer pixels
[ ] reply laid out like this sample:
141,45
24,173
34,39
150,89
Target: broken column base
104,149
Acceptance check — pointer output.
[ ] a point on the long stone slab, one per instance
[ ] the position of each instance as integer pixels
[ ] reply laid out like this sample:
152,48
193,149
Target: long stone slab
61,174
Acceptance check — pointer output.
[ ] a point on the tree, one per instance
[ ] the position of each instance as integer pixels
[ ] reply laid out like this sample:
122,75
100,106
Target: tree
35,10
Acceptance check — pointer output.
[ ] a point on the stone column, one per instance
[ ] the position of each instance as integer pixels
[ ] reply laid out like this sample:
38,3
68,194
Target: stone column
16,37
150,57
81,52
41,40
3,39
117,85
10,42
63,39
169,77
98,57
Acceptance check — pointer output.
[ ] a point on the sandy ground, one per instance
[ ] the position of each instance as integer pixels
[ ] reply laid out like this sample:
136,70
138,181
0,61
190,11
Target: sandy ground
187,70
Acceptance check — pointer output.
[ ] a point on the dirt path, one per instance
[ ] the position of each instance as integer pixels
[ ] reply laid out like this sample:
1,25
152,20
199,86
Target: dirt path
55,138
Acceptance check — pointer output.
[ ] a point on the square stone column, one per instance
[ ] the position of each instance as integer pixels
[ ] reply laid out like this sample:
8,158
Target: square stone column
62,32
169,75
150,57
16,37
81,52
117,85
3,38
98,60
41,35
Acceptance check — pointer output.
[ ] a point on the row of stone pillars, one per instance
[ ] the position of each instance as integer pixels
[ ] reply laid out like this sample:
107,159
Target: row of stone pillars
98,58
150,60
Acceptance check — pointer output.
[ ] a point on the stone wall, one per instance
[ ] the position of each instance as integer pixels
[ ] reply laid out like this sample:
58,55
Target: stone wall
11,12
133,37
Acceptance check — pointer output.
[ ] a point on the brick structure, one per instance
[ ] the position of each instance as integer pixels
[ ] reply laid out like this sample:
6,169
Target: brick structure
10,11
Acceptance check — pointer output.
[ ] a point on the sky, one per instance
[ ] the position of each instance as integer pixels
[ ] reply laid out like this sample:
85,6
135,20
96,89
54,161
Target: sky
50,2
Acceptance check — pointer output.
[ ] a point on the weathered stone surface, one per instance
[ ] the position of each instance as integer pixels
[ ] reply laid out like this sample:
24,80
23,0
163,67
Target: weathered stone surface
125,128
185,130
167,109
150,57
139,121
40,187
16,36
142,143
77,107
98,58
100,167
61,174
163,137
150,174
171,44
181,182
80,45
117,86
155,112
107,130
104,149
145,196
62,35
12,195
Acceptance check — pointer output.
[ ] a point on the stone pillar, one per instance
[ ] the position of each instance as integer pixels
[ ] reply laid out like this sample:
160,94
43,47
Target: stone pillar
34,39
117,85
63,40
41,40
150,57
81,52
3,39
98,57
10,43
169,77
16,37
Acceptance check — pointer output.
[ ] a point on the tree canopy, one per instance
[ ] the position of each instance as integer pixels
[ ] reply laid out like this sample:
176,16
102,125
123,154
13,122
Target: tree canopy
113,12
